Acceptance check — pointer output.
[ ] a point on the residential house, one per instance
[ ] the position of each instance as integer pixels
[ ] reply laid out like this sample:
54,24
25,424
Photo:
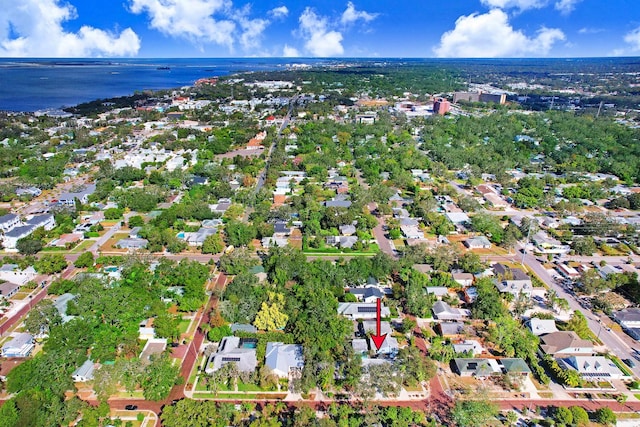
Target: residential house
10,240
628,318
592,368
146,333
459,219
438,291
478,368
471,346
567,271
464,279
389,345
338,203
29,191
47,221
8,221
84,373
8,289
61,305
21,345
66,239
196,238
361,310
347,230
443,311
423,268
272,242
368,294
412,232
451,330
545,244
13,273
360,346
280,229
242,352
132,244
470,294
221,207
565,343
515,366
478,242
133,234
342,241
512,280
541,326
212,223
82,195
284,358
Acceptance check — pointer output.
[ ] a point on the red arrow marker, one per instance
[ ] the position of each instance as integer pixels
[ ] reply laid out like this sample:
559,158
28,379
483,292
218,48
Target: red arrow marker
377,338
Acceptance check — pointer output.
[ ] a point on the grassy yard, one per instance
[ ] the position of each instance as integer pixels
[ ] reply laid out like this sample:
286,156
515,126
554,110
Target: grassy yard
240,396
83,246
184,325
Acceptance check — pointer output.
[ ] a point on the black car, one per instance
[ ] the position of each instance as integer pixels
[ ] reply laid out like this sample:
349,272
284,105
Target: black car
131,407
629,363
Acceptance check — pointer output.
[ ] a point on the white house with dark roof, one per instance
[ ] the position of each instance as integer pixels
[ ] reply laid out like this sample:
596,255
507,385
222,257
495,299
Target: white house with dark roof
283,358
12,236
367,294
46,220
8,221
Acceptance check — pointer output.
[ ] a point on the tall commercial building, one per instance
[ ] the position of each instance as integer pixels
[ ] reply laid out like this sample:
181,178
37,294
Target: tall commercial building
441,106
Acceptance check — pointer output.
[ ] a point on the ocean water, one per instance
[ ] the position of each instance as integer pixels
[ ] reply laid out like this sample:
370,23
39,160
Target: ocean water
36,84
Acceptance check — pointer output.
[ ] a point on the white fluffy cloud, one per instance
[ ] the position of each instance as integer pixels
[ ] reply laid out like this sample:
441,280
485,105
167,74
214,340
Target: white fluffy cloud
633,39
566,6
516,4
190,19
351,15
290,52
207,21
279,12
320,40
563,6
34,28
490,35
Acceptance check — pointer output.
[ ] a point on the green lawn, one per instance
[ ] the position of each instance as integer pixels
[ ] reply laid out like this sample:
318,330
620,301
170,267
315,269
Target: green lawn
83,246
184,325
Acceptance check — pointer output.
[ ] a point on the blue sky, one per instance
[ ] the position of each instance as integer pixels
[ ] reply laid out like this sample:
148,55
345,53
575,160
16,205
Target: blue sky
329,28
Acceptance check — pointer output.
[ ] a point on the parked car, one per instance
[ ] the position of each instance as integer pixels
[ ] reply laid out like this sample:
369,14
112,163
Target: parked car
629,363
131,407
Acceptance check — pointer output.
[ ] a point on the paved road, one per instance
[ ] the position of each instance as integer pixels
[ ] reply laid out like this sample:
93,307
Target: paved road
379,234
609,337
263,175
